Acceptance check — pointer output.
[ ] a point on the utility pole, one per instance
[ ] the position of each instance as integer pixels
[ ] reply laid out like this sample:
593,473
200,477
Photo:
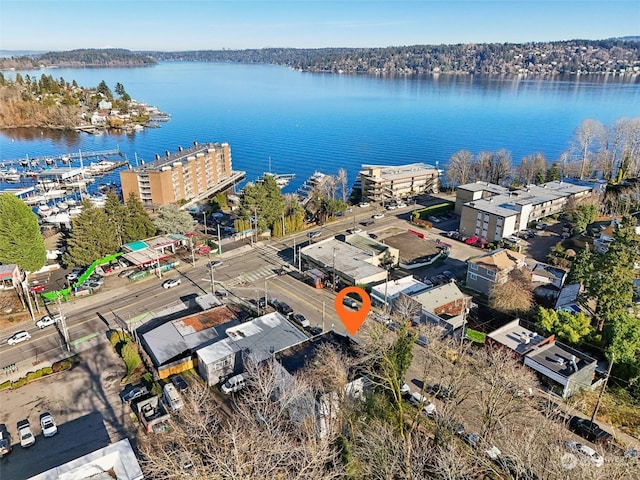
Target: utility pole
334,269
299,259
63,322
213,283
386,286
283,230
193,257
265,294
294,250
323,315
219,241
604,385
204,216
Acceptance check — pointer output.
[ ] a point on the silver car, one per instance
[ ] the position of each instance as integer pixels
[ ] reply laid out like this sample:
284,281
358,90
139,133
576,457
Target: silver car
21,336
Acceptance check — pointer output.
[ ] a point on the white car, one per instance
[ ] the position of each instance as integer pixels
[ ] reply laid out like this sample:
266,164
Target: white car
48,425
24,432
433,219
364,205
391,207
47,320
401,205
585,453
354,230
21,336
172,282
378,216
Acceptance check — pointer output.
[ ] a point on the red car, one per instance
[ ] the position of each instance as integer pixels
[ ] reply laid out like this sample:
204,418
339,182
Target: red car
203,250
471,240
37,288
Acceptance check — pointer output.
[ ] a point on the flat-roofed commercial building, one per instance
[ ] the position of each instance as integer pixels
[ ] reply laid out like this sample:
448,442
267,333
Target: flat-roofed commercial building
187,175
381,183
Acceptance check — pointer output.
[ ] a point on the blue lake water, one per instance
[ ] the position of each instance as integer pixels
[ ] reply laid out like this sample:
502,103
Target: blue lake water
306,122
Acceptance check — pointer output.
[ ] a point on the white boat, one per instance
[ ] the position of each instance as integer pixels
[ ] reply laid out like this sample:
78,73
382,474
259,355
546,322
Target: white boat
54,210
76,210
44,210
63,206
60,218
35,200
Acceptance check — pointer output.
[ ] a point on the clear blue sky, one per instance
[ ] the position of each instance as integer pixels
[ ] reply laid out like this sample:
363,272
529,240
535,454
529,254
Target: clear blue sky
211,24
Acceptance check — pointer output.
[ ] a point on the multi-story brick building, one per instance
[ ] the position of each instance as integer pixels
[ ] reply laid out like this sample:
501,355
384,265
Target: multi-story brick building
187,175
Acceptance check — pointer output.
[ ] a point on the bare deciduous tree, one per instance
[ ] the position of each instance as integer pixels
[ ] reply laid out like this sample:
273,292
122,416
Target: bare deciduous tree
460,169
515,295
342,183
585,143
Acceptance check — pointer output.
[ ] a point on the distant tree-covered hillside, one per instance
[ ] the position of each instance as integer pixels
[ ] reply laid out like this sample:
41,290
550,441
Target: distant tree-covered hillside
86,57
548,59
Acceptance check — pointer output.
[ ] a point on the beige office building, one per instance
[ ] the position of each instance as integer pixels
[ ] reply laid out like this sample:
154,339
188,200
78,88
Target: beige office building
187,175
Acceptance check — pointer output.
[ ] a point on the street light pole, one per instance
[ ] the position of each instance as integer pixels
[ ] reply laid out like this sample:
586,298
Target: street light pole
219,241
334,269
204,216
213,283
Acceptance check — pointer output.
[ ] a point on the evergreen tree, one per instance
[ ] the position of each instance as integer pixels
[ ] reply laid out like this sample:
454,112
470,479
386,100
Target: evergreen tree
92,237
104,89
612,282
173,220
20,239
553,173
137,224
264,200
581,268
116,214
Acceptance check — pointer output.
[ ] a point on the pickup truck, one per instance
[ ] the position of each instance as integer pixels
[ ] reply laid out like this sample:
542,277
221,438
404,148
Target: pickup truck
5,440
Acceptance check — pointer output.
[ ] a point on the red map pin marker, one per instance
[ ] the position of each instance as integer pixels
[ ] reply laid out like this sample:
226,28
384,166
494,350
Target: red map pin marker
350,319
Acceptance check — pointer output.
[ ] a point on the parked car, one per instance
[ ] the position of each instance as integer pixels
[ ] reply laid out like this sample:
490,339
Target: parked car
73,275
405,390
5,440
313,331
441,392
354,230
433,219
179,383
420,401
373,235
21,336
589,430
125,273
378,216
234,384
300,320
37,289
585,453
449,275
48,425
401,204
315,234
284,309
135,392
26,435
367,223
453,234
542,226
471,240
203,250
215,263
47,320
221,293
364,205
480,243
391,207
422,341
172,282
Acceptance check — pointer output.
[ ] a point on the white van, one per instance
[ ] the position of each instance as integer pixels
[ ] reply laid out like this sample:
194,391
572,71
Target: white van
172,397
233,384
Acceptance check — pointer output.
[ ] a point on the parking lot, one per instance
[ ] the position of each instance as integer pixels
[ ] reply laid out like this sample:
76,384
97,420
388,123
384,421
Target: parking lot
85,404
